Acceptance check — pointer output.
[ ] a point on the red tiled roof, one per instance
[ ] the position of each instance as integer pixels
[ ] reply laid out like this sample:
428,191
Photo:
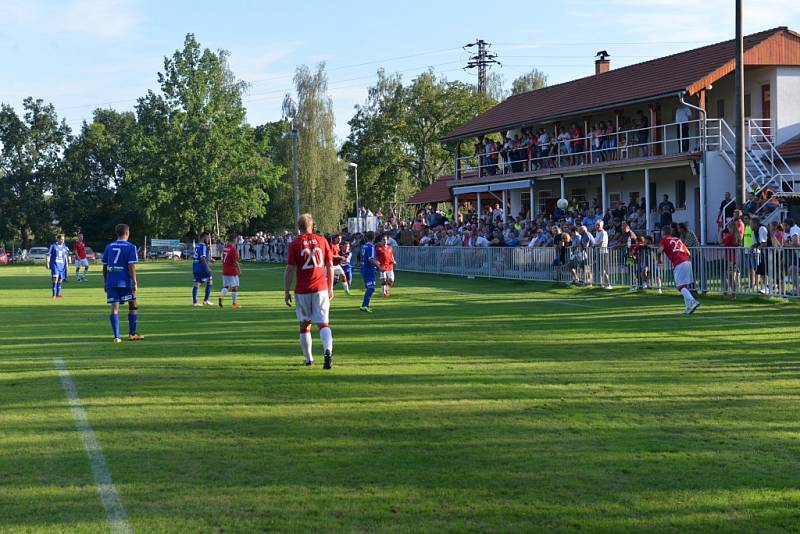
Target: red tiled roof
438,191
686,71
791,148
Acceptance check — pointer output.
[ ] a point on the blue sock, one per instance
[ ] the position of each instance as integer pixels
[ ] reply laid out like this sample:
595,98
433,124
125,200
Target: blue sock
208,291
58,288
367,295
54,289
115,324
132,323
194,294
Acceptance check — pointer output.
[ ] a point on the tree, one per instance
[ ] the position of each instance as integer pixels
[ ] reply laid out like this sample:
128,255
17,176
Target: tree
533,80
91,194
495,86
322,174
196,156
30,157
278,215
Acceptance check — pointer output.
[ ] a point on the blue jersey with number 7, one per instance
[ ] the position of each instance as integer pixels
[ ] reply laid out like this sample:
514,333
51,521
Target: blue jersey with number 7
117,256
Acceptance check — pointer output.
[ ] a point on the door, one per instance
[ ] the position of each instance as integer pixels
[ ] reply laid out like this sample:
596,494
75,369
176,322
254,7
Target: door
766,109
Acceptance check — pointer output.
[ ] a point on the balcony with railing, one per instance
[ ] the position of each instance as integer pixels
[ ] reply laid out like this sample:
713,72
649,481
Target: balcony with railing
557,152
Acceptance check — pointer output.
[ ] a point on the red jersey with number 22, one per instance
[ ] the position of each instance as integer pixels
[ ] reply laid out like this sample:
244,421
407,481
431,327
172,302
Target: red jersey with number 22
311,254
230,261
675,250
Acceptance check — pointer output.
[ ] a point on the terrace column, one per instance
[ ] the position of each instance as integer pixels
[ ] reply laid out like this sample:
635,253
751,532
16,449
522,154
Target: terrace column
479,206
505,205
603,191
563,190
457,170
455,209
648,207
530,201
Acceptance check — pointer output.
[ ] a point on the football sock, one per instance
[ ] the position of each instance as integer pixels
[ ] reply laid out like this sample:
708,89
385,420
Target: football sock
385,289
223,292
326,336
367,295
132,317
115,324
346,287
208,291
54,289
234,294
305,344
58,288
194,294
687,296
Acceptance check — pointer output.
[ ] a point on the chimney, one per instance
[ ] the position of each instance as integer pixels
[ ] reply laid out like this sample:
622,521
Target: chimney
602,63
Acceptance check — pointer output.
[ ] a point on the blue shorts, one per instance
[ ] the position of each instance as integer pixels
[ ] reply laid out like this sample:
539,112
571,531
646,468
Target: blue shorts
348,273
119,294
201,278
58,272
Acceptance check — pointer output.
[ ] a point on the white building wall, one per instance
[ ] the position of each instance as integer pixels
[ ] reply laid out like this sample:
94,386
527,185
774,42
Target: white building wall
786,100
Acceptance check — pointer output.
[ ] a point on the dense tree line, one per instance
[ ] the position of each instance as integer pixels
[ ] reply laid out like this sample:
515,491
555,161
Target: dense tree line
185,159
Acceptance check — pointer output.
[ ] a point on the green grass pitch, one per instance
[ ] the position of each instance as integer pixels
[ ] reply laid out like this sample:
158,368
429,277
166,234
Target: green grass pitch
457,406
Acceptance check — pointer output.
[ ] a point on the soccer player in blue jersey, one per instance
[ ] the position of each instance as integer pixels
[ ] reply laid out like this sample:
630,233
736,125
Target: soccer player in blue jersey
201,269
119,276
346,256
56,261
369,269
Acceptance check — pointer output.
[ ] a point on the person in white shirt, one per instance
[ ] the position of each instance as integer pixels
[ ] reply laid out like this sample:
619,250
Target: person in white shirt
683,114
600,239
481,241
793,254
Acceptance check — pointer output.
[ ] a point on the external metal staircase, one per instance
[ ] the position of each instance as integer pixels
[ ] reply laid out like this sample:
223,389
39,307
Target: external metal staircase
766,172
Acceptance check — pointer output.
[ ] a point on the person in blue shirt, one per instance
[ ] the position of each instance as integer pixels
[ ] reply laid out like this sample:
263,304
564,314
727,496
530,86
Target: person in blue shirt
56,260
119,277
201,269
369,269
347,256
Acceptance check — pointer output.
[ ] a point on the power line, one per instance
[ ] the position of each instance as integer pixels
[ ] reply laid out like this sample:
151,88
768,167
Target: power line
482,61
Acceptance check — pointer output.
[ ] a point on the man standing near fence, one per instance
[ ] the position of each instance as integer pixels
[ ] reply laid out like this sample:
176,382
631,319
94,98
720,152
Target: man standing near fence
681,260
309,260
601,242
230,272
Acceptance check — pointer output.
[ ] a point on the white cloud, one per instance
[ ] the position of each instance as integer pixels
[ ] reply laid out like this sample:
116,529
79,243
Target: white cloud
100,18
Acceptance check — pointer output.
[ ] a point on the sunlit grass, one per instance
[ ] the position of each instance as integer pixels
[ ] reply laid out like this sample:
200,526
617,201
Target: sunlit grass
459,405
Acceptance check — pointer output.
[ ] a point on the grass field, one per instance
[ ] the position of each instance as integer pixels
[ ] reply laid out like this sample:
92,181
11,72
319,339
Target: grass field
458,406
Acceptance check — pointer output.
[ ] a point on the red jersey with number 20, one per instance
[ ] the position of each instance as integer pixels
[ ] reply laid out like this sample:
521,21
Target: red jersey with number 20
230,261
311,254
675,250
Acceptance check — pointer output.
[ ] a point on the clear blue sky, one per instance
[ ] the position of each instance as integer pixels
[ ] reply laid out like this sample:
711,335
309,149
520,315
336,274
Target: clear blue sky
81,54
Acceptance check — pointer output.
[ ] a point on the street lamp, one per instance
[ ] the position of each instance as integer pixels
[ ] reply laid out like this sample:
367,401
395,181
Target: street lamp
358,207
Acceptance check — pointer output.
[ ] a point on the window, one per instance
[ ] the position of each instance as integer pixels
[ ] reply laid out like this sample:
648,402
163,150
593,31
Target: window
635,196
747,105
525,202
614,199
720,108
578,194
680,194
542,197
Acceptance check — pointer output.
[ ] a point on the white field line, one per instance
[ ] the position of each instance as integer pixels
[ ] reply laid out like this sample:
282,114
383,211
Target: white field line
115,512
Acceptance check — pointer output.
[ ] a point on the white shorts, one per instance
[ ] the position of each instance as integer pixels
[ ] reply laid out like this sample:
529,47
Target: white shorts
230,281
312,307
81,263
338,271
683,274
387,276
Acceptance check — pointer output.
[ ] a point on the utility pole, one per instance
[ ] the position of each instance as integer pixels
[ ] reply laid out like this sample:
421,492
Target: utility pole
740,130
295,175
482,60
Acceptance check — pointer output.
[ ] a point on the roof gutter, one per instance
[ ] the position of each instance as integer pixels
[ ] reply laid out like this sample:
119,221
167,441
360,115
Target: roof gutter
556,117
703,189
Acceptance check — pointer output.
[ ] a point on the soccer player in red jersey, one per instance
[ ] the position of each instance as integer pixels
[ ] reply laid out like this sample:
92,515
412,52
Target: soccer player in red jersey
309,260
230,272
338,270
81,261
385,256
681,260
